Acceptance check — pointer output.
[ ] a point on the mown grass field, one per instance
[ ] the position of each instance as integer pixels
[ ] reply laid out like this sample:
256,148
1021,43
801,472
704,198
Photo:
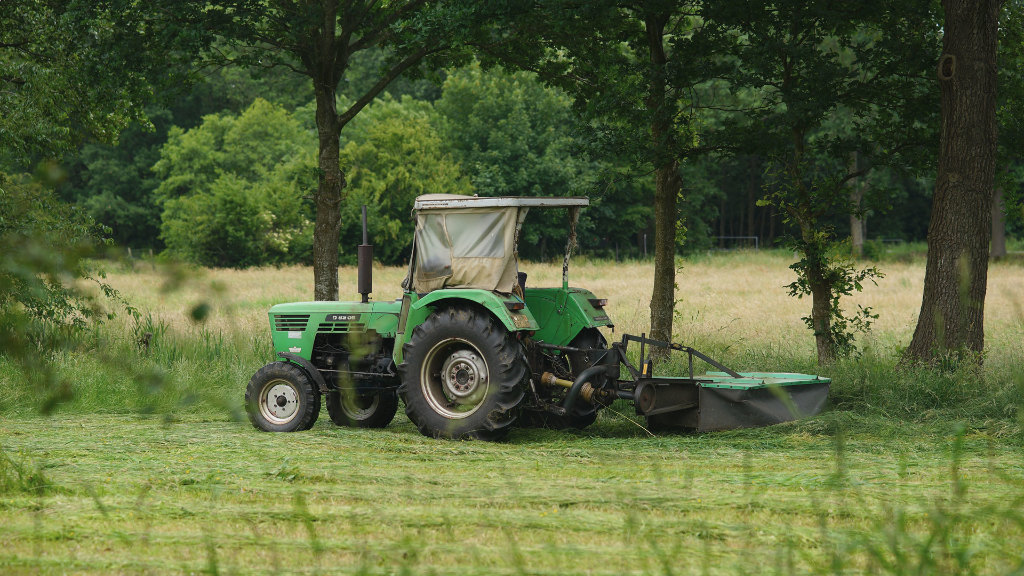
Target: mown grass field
150,468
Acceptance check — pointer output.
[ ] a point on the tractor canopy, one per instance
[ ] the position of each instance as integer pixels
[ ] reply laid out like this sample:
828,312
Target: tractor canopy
472,242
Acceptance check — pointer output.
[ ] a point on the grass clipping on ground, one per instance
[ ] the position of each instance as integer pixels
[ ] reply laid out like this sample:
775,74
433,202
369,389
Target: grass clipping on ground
908,471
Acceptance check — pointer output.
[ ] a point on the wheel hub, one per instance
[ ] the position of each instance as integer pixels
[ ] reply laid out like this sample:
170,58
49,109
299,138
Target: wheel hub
463,374
281,401
358,407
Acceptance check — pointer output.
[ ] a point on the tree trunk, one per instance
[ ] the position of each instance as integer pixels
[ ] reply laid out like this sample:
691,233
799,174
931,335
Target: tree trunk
953,304
666,192
327,197
821,317
820,287
321,64
664,296
856,223
998,226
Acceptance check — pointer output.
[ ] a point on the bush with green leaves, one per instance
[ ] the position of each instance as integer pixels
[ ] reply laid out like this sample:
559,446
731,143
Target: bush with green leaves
234,189
514,136
393,153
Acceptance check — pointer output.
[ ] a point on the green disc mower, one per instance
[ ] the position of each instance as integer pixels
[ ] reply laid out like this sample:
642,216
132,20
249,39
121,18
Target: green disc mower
472,350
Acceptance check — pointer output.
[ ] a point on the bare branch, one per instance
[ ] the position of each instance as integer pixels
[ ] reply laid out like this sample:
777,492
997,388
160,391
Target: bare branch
375,35
850,176
406,63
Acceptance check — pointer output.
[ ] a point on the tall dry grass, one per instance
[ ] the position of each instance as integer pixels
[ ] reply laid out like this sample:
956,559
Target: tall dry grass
737,298
210,332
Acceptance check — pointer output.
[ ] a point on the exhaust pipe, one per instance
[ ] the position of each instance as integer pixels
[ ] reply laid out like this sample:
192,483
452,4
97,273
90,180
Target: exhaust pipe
365,259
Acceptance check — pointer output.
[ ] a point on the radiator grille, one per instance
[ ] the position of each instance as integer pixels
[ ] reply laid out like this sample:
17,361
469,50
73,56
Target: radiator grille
291,322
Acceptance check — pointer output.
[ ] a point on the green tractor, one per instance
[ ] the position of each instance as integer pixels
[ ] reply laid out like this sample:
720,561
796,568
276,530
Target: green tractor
472,351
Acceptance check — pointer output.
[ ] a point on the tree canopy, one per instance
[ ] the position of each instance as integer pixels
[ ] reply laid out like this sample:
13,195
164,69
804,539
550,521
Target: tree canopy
56,64
239,134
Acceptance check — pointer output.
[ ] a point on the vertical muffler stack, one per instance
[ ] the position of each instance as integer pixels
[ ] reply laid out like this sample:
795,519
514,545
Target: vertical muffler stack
365,258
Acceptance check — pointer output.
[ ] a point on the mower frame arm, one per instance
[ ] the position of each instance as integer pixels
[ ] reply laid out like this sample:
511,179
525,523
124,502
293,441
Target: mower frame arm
644,341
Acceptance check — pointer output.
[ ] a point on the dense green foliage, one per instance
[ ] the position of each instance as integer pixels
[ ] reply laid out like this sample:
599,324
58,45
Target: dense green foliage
207,192
1010,168
44,245
55,58
522,138
502,132
50,287
393,153
514,137
232,188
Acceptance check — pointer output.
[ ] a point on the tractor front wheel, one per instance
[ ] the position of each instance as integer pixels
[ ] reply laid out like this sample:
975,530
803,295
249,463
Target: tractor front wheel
463,375
347,408
281,398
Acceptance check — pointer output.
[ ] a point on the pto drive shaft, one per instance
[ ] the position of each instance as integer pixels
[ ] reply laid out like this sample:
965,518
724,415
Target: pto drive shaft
587,391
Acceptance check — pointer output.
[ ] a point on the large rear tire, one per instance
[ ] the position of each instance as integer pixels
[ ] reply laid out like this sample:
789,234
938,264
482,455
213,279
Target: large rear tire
281,397
463,375
347,408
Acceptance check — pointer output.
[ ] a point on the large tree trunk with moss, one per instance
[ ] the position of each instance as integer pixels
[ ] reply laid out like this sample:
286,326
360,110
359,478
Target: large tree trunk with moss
953,305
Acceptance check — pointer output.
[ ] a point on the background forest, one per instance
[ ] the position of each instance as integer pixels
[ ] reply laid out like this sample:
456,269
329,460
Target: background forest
223,173
224,176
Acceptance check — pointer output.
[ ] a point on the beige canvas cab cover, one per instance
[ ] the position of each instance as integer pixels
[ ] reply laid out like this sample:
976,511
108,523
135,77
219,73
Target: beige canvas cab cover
471,242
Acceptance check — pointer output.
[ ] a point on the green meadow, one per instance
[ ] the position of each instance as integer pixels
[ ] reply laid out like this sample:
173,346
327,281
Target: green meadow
149,466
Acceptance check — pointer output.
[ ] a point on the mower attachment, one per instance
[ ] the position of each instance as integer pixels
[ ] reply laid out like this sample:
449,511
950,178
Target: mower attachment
717,400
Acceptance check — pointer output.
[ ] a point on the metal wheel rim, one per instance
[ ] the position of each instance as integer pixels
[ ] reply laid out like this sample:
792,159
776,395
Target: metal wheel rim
357,407
433,384
269,401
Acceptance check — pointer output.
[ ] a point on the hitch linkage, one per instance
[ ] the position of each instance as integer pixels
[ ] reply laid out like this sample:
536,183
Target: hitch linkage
644,341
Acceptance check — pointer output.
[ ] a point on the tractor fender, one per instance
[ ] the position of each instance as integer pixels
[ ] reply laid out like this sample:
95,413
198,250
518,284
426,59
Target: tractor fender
496,304
306,365
564,313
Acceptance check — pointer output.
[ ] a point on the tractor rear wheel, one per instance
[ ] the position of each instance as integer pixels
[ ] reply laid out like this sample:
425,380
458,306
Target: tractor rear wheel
463,375
347,408
281,397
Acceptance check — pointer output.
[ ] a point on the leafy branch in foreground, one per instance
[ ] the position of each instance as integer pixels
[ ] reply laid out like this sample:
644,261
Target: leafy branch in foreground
50,290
